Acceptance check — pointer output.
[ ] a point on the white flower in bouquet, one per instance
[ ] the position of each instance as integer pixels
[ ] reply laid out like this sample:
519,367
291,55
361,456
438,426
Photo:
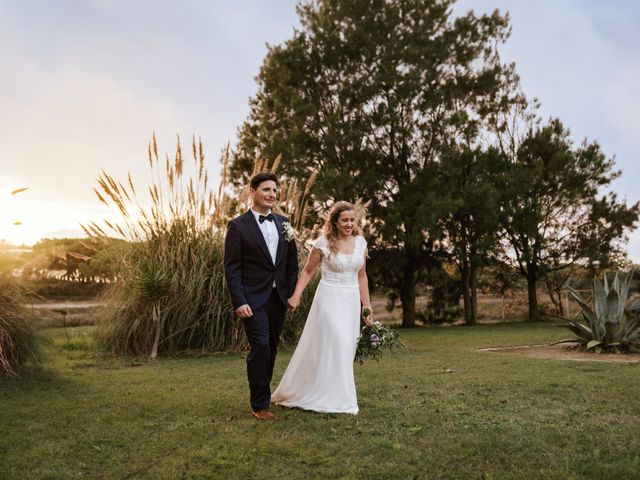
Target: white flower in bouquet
375,338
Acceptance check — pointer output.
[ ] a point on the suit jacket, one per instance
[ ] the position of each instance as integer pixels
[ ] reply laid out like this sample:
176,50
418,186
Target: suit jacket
248,267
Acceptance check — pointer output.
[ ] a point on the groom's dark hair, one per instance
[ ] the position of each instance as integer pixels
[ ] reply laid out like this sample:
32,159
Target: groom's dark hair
257,179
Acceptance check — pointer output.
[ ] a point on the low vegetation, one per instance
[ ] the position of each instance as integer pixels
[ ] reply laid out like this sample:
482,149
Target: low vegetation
437,409
613,324
182,235
19,341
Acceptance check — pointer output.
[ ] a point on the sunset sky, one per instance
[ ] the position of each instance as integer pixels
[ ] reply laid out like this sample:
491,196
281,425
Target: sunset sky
85,83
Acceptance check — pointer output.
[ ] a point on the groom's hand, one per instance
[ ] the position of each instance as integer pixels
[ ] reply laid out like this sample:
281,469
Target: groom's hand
293,303
244,311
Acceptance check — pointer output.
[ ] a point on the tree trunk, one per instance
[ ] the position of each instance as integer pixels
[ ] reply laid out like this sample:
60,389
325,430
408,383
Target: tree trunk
532,293
466,293
555,294
561,311
473,286
156,341
408,295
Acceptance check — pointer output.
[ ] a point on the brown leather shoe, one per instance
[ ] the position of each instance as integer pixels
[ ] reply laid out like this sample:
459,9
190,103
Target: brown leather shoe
264,415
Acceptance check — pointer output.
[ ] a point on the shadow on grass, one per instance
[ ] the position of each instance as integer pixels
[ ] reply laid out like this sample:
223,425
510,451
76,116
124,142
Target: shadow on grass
35,378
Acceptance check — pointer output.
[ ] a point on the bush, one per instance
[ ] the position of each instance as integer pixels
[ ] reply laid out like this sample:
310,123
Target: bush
19,342
612,323
445,299
58,289
443,314
182,233
196,313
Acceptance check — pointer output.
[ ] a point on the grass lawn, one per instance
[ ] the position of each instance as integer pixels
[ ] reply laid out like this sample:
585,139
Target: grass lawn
494,416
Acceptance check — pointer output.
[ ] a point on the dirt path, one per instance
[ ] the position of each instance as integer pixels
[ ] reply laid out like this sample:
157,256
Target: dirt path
71,305
563,352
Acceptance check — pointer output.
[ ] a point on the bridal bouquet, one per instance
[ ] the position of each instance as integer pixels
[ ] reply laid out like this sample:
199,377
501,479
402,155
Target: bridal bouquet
373,339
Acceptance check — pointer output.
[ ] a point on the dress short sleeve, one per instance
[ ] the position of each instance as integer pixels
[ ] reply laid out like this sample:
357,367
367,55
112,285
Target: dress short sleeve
322,244
361,244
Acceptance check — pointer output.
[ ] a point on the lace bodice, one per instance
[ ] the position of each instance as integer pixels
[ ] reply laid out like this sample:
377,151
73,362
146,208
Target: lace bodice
341,268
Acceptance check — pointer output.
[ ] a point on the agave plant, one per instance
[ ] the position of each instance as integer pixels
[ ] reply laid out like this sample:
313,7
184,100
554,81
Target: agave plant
153,285
613,323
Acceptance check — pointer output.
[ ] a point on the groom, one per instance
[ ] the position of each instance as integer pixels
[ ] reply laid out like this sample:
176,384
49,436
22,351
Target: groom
261,268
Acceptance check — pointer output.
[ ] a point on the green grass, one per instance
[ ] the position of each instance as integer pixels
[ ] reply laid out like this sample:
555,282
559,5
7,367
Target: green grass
495,416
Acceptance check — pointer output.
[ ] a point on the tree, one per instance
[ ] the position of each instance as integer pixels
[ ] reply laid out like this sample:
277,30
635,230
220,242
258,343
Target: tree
473,222
153,286
82,259
554,213
371,92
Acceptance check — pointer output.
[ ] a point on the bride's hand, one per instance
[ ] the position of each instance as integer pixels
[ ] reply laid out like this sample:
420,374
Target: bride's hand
368,320
293,303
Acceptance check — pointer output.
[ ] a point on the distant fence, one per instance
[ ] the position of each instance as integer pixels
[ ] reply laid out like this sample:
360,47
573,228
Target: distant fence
515,303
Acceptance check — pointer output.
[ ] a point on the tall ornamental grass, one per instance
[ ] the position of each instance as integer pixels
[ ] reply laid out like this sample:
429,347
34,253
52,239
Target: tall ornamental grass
181,230
19,342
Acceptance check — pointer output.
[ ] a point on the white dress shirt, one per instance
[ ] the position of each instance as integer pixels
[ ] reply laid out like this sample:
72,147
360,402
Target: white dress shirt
270,233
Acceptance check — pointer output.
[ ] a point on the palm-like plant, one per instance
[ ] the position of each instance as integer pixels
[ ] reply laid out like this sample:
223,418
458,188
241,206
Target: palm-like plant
153,285
613,323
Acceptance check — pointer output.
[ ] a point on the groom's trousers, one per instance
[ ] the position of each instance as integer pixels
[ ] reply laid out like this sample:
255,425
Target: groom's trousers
263,332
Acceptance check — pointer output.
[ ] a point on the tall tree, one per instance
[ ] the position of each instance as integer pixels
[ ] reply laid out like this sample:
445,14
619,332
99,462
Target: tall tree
555,213
472,224
370,92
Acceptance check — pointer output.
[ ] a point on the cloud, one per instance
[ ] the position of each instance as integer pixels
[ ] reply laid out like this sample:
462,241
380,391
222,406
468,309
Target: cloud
72,124
81,96
579,58
60,124
622,100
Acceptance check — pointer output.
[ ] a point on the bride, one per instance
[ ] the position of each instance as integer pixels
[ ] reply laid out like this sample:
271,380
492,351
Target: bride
319,376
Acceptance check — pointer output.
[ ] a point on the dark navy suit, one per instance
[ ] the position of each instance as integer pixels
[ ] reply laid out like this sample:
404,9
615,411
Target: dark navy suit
251,273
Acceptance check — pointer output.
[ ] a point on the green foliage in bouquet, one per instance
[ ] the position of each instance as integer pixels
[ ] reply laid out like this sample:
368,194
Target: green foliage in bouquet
613,324
374,339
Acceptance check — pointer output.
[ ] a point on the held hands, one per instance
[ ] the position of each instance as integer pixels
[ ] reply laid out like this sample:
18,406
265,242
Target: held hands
293,303
244,311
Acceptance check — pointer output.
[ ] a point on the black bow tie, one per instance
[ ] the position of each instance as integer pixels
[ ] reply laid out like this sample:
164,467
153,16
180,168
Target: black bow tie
269,217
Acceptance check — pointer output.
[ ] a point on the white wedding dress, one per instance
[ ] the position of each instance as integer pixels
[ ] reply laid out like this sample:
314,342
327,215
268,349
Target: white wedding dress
319,376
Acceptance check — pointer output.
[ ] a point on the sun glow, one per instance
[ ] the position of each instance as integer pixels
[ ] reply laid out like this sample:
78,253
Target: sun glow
26,217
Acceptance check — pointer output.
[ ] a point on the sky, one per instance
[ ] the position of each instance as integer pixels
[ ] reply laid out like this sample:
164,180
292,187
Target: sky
84,83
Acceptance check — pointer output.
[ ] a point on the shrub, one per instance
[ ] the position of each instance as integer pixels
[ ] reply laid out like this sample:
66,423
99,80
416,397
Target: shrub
197,311
613,322
19,342
182,233
440,315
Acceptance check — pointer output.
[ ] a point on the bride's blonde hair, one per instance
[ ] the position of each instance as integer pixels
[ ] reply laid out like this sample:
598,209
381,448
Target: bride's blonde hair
329,229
